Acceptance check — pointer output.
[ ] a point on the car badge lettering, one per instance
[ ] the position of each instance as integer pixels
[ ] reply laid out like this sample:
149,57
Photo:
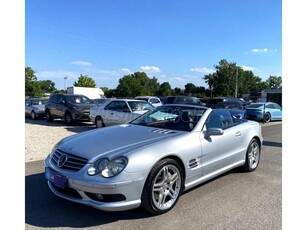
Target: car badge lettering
62,160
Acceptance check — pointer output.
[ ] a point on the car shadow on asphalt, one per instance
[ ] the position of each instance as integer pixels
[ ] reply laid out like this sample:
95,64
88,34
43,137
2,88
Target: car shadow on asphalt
44,209
272,143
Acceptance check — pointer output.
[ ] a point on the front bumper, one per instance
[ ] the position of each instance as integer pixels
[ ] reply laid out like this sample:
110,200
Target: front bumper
119,193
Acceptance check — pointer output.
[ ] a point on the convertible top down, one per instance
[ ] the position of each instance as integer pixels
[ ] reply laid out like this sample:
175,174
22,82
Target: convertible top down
151,160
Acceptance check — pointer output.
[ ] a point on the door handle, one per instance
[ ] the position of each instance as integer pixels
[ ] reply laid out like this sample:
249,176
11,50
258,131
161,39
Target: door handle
238,134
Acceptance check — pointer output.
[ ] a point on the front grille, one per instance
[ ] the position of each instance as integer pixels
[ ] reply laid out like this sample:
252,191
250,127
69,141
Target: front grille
73,163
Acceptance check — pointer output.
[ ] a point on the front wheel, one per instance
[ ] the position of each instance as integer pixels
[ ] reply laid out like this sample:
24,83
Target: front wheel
68,118
163,187
48,116
33,115
99,122
252,156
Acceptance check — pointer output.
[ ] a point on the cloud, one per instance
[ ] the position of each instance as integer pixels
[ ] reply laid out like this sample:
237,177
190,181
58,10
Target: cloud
56,74
244,67
259,50
150,69
125,70
202,70
82,63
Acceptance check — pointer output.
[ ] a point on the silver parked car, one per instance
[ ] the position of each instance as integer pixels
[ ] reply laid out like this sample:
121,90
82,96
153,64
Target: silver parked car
118,111
35,107
150,161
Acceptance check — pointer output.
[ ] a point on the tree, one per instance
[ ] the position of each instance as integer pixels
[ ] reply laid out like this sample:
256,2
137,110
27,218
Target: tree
137,84
32,87
190,88
177,91
85,81
165,89
223,82
274,82
47,86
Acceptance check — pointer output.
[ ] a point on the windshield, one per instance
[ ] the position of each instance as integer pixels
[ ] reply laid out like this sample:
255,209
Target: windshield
139,105
254,105
79,99
38,102
183,118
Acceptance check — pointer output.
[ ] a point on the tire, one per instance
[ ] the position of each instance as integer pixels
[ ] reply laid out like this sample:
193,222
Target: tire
267,117
33,115
68,118
252,158
163,187
48,116
99,122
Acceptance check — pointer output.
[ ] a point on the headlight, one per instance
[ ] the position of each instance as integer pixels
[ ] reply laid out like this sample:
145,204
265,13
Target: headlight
108,168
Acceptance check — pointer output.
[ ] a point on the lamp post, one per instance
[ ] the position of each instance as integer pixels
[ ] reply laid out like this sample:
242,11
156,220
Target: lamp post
236,89
65,82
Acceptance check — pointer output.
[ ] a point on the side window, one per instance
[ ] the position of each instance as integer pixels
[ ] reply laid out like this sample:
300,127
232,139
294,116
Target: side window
270,106
55,98
61,99
119,106
219,119
110,106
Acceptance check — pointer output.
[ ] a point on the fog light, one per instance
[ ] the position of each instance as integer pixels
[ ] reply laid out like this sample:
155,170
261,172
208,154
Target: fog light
99,196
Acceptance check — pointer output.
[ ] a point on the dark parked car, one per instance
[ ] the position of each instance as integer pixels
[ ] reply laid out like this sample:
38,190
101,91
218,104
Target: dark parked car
35,107
70,107
182,100
237,109
213,101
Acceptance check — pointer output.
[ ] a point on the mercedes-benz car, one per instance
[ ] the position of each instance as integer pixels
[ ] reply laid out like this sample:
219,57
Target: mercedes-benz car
118,111
151,160
35,107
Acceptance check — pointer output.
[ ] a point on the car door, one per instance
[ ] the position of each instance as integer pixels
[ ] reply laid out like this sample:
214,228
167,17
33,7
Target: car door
116,112
60,106
220,151
276,111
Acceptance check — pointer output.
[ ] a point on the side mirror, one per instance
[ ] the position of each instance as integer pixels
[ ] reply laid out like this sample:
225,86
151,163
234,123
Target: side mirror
213,132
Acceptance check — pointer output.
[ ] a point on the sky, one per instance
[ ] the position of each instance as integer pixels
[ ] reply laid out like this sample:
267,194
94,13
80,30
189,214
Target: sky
175,41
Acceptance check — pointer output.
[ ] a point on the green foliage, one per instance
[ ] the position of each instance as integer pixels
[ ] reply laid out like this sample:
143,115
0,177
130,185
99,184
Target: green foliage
274,82
165,89
85,81
223,81
137,84
35,88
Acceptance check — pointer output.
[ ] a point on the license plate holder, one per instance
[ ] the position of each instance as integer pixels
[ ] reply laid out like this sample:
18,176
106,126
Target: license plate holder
57,179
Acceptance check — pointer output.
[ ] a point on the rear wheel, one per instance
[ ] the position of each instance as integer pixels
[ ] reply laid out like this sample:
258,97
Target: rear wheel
68,118
48,116
99,122
252,156
267,117
163,187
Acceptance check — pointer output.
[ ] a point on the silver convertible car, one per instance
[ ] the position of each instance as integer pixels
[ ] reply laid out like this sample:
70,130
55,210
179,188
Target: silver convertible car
150,161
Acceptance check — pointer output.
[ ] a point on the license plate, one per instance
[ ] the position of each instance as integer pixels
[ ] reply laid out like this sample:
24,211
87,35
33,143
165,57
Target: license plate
56,179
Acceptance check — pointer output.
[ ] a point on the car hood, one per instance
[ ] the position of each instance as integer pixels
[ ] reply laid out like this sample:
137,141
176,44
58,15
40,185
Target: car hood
115,140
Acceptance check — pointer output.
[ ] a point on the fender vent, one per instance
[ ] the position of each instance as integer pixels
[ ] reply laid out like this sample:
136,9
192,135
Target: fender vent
163,131
194,163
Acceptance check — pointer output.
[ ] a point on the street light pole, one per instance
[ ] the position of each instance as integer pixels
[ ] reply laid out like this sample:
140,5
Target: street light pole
65,82
236,89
